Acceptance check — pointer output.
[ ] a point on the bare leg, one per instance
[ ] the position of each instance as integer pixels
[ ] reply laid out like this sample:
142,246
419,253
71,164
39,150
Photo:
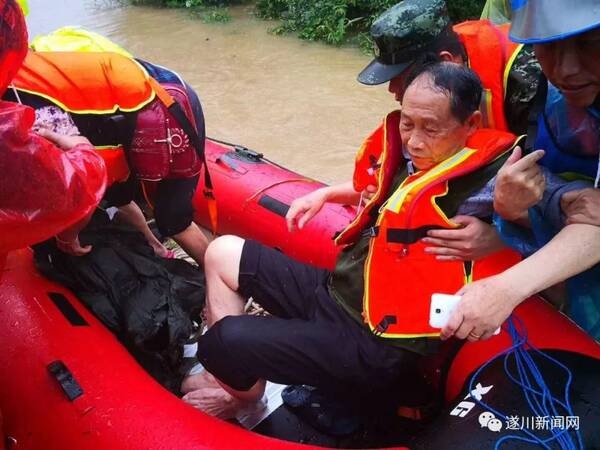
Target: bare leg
133,215
205,392
193,241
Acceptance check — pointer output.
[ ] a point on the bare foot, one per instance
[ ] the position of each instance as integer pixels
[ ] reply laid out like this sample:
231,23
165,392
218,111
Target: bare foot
199,381
215,402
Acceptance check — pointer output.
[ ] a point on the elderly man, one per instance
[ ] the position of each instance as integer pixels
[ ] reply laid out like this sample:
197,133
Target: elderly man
566,39
405,35
341,331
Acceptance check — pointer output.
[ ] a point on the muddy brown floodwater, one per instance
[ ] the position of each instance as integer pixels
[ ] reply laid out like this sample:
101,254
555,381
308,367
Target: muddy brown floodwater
297,102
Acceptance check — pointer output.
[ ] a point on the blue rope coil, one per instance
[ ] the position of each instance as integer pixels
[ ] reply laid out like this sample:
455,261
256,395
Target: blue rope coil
540,399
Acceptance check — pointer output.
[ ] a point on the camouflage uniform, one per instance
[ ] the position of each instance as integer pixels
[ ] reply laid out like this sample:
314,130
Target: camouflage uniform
523,79
412,27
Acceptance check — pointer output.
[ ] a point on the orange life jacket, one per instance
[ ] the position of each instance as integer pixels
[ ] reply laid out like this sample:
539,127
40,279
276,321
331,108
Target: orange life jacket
491,55
399,276
64,79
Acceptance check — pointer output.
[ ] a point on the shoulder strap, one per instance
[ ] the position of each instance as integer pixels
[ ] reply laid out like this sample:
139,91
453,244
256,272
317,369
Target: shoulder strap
177,111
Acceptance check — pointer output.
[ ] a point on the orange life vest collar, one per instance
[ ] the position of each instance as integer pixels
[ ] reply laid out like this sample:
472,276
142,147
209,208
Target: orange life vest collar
64,79
491,55
376,163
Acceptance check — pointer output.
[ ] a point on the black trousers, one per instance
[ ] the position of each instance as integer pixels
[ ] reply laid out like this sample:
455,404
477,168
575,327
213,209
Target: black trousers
309,339
173,209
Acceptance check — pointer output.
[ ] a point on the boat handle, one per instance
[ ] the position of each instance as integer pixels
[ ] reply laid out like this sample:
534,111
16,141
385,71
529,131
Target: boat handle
65,378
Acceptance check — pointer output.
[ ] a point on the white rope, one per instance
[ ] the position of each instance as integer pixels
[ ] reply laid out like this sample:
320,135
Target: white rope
16,94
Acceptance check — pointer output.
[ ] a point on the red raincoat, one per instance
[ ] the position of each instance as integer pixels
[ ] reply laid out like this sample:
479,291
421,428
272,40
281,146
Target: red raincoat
43,189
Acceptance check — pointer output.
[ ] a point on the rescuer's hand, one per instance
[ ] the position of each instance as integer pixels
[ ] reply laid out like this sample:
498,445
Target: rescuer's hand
520,184
484,306
62,141
475,240
67,241
72,247
582,206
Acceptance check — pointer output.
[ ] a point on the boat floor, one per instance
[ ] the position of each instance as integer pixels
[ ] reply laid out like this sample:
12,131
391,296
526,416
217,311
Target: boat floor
284,424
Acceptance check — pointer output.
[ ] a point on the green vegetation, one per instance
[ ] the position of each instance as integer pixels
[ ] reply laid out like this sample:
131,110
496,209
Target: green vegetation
211,14
338,22
335,22
209,11
216,15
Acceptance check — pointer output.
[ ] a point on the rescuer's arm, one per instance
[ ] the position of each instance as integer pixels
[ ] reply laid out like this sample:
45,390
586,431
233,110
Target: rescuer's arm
487,303
582,206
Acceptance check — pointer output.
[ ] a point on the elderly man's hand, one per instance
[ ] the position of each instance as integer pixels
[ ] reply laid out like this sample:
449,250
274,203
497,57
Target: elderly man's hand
475,240
304,208
484,307
582,206
520,184
368,193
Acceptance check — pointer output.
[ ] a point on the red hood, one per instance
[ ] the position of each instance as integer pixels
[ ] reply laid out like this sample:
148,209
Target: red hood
13,41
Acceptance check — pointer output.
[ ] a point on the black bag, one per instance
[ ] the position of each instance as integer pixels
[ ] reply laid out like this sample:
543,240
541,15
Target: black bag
148,302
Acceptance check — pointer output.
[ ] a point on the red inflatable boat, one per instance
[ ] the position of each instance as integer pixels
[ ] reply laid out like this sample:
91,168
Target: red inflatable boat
67,383
253,196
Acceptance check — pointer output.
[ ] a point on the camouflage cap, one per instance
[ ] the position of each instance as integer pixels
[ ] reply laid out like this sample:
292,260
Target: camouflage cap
401,34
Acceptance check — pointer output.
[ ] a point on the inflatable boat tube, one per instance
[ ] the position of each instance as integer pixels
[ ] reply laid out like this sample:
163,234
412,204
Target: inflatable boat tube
253,195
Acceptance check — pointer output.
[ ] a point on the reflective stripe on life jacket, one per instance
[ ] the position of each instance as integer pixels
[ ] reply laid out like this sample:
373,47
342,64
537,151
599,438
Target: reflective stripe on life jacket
399,276
65,79
491,55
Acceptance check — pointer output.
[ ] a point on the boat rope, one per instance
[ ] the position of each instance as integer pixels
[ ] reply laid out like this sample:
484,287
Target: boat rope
538,395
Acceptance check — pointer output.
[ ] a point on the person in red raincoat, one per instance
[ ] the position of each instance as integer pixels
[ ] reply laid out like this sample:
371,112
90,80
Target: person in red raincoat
49,184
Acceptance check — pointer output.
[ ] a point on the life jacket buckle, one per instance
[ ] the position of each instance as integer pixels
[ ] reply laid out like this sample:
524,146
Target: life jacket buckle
385,324
374,165
169,141
370,232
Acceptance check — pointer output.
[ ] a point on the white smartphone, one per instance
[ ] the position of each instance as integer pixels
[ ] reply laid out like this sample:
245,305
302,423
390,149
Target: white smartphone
441,309
442,306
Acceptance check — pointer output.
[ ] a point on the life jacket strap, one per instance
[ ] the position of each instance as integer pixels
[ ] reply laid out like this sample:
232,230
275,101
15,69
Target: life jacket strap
409,235
177,111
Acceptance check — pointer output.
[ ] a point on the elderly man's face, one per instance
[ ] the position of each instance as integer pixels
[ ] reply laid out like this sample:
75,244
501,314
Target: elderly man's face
430,133
573,65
